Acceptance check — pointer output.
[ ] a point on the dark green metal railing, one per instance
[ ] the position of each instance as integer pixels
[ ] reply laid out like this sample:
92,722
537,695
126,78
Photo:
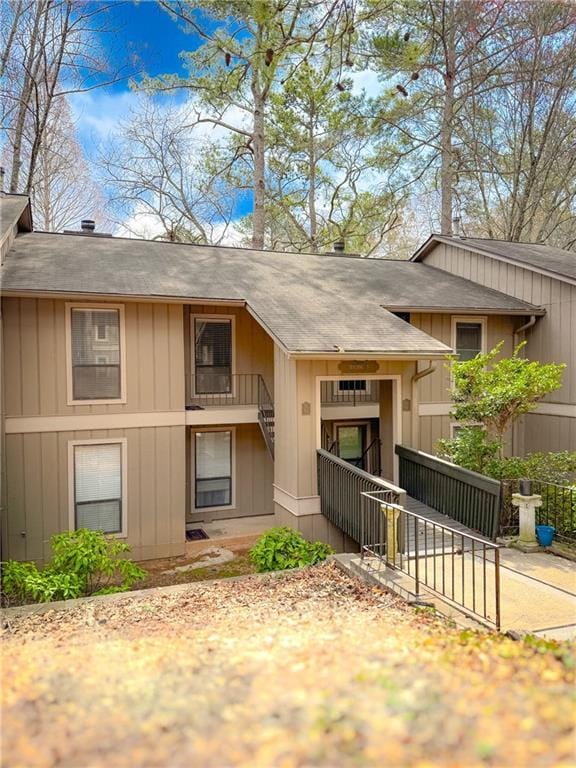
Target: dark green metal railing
464,496
558,508
340,485
462,569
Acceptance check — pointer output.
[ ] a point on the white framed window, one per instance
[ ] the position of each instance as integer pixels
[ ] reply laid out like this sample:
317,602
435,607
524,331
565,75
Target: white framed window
96,353
456,427
468,336
97,477
213,354
214,481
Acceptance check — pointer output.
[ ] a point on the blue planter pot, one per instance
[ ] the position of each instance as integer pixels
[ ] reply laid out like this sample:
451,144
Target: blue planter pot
545,534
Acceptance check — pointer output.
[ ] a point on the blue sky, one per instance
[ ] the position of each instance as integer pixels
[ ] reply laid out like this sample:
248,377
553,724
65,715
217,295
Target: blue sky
142,38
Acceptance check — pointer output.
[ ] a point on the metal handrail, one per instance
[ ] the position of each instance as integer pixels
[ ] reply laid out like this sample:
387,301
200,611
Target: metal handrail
558,508
409,543
266,415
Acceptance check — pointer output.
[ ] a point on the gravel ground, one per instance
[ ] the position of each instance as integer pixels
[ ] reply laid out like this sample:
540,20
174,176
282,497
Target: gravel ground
306,669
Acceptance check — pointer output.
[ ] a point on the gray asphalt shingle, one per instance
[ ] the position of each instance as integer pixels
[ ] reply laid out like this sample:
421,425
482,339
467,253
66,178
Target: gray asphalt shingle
535,255
310,303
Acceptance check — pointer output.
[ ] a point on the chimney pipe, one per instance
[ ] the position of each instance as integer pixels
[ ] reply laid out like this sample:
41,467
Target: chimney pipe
339,246
456,226
88,225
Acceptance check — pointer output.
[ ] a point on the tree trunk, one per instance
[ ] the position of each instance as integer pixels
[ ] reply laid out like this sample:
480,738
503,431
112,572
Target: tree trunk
31,68
447,166
258,146
312,187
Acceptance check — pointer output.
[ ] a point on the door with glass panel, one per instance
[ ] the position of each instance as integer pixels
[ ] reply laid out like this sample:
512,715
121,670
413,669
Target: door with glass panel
351,443
213,469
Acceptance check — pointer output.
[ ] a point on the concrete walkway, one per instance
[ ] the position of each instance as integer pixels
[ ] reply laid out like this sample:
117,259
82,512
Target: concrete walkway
537,591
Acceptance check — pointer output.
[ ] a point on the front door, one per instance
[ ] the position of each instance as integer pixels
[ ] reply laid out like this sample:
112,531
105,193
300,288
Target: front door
351,442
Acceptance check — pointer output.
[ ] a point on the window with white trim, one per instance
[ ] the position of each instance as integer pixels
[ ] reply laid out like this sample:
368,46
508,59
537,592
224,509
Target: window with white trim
213,467
98,491
95,353
468,339
212,355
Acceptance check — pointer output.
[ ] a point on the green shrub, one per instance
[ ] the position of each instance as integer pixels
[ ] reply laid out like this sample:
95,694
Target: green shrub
84,563
557,468
470,448
473,449
281,548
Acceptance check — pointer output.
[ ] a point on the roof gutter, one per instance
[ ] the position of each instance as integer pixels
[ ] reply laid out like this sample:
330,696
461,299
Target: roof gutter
413,393
517,332
524,327
363,355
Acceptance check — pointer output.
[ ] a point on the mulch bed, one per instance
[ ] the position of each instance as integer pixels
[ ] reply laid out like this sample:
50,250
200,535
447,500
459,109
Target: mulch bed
305,669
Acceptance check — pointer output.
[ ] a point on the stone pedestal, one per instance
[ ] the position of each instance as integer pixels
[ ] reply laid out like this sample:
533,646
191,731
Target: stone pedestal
527,506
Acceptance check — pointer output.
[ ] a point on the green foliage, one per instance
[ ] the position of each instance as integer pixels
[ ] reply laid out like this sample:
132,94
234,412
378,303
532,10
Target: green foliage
281,548
559,468
84,563
470,448
496,393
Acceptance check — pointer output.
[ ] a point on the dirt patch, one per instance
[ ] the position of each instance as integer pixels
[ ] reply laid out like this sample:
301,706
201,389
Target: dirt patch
306,669
198,567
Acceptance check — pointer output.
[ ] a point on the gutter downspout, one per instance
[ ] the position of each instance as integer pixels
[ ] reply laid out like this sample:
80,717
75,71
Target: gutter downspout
516,333
413,381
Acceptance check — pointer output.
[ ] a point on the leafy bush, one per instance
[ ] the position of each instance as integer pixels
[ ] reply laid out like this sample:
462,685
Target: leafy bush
84,563
557,468
471,448
281,548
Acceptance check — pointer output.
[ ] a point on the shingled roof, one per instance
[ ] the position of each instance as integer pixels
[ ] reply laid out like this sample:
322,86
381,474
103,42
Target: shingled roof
557,261
308,302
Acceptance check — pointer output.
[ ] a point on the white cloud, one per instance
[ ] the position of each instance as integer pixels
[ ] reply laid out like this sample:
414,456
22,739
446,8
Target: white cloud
99,113
367,80
142,224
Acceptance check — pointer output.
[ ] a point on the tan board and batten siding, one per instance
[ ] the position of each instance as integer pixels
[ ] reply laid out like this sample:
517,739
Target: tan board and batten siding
552,339
38,490
434,389
158,464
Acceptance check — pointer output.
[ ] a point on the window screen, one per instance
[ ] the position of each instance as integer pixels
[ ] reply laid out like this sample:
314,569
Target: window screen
468,340
213,469
98,487
95,338
213,356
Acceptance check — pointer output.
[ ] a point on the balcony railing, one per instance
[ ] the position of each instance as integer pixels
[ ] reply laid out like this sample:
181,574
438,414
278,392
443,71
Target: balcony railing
248,389
219,389
349,392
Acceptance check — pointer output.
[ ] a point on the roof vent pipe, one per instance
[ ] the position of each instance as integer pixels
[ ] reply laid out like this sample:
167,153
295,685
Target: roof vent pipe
88,225
456,226
339,246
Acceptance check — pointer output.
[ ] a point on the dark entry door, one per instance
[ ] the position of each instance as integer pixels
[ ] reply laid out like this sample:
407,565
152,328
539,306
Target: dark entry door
351,441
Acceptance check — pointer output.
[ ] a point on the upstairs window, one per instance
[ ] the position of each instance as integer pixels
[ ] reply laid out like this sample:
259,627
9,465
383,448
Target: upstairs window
352,385
468,338
212,355
98,486
95,353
